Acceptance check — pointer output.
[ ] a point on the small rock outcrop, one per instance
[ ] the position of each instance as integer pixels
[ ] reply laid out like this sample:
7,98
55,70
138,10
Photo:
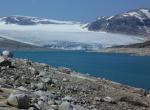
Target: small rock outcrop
4,62
66,106
65,70
21,101
5,58
7,54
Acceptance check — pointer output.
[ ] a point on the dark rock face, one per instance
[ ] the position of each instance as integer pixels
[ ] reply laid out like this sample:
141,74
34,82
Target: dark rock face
136,22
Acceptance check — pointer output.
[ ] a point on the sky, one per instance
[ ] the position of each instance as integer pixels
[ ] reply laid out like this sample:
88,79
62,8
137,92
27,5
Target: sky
73,10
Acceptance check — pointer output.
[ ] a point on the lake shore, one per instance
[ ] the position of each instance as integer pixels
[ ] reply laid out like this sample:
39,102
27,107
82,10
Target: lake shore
132,51
65,89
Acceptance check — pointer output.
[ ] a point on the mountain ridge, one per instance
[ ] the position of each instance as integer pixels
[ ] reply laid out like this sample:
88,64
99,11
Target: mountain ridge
134,22
30,20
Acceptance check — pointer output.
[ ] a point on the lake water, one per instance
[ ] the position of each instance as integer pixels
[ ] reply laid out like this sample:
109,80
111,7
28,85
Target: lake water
123,68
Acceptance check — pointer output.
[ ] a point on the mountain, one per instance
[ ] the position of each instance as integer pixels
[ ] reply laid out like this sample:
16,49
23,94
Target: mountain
57,34
13,45
28,20
135,22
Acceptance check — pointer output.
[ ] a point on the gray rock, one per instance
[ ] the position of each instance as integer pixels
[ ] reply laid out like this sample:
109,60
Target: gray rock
55,107
68,98
58,102
78,107
51,102
32,86
41,105
65,79
65,70
22,88
19,100
41,86
48,94
2,81
136,100
97,99
43,74
47,80
148,95
7,53
44,98
66,106
4,61
33,71
108,99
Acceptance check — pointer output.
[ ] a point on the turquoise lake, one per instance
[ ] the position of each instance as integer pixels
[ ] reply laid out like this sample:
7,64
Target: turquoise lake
123,68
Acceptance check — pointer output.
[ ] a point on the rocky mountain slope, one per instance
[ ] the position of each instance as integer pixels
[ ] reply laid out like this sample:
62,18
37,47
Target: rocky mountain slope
135,22
140,49
36,86
16,45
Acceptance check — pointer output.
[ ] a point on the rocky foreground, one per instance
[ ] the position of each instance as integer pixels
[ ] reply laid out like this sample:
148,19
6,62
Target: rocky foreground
28,85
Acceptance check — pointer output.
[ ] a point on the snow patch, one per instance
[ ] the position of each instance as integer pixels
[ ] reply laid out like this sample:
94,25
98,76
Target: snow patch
135,14
146,12
109,17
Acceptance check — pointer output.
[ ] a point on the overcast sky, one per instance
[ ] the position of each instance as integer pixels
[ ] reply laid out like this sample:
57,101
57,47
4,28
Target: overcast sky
75,10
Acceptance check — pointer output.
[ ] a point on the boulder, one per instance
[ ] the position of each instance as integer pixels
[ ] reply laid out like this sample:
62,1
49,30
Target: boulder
109,100
64,70
68,98
44,98
66,106
4,61
7,53
2,81
33,71
136,100
43,105
47,80
148,95
41,86
22,88
43,74
21,101
65,80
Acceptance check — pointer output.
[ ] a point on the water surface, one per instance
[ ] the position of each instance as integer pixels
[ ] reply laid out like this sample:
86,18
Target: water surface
123,68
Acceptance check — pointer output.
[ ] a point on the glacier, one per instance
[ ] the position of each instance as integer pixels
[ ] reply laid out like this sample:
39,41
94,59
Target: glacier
64,36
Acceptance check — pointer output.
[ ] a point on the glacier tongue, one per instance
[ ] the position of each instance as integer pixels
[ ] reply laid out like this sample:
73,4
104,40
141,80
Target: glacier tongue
68,36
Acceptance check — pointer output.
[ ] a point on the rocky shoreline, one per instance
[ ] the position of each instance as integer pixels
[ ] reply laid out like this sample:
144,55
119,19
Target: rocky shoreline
138,49
28,85
131,51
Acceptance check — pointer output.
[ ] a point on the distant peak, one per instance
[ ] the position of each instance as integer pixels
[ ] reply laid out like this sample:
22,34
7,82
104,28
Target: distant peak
30,20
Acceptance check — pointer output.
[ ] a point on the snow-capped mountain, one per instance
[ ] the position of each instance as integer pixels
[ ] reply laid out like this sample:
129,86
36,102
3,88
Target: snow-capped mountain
135,22
29,20
59,34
